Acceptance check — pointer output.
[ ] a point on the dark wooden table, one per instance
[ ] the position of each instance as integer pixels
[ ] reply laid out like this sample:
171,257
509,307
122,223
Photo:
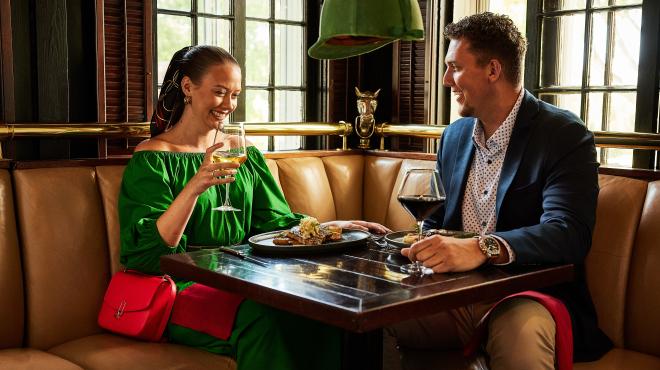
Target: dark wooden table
361,290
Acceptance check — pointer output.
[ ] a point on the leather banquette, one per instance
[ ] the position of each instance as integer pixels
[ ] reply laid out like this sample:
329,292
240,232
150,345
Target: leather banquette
59,245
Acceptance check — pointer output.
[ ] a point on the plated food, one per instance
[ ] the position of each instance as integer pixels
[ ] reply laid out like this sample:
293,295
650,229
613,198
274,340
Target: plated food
308,237
308,232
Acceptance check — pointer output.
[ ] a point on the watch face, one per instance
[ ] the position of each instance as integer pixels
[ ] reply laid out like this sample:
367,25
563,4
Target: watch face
491,247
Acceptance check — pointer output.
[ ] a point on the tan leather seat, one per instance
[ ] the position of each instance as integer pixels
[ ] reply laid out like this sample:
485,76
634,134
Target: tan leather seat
70,234
111,352
65,252
11,279
345,175
620,204
306,187
32,359
621,359
643,302
109,180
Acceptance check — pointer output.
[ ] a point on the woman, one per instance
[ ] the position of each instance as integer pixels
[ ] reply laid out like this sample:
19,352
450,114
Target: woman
168,190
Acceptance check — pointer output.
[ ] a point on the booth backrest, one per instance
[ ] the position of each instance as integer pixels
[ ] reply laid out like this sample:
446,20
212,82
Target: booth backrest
11,275
643,297
69,238
620,203
65,252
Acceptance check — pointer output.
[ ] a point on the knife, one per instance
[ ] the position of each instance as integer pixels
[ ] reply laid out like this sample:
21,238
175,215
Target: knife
242,256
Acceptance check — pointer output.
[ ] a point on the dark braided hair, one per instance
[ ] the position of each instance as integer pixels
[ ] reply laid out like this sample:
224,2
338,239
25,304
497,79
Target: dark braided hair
492,36
191,61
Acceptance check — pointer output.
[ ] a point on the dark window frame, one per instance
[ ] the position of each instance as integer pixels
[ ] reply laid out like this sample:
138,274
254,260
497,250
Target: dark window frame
311,87
648,80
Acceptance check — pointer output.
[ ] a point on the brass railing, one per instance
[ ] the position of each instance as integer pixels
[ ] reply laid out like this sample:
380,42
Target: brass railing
126,130
109,130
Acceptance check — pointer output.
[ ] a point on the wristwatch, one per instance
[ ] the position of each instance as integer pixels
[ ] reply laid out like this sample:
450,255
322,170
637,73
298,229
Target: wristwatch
490,247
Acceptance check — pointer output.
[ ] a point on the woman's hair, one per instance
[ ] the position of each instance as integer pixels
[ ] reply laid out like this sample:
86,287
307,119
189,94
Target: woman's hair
191,61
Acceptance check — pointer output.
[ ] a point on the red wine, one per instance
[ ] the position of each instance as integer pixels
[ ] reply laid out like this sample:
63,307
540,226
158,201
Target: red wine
421,206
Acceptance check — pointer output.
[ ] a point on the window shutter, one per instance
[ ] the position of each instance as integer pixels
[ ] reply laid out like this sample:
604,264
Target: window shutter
409,56
126,88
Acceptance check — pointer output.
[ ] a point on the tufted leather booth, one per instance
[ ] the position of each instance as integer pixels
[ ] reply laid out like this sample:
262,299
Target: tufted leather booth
59,245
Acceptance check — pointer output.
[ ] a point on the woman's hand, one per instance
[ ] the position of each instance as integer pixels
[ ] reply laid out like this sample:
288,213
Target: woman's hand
372,227
211,174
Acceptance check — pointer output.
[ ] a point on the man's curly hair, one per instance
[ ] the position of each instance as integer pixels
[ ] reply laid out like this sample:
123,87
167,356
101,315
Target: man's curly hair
492,36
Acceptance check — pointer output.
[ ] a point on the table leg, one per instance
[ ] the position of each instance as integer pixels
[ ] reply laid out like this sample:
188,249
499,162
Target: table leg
363,351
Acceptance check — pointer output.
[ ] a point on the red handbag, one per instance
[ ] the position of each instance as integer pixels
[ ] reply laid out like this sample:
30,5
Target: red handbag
137,305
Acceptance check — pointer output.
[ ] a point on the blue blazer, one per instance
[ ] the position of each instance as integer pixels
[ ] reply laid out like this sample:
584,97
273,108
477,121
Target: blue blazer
546,201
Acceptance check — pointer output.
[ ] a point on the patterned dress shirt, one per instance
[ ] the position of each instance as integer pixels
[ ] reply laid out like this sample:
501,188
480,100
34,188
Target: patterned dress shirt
479,200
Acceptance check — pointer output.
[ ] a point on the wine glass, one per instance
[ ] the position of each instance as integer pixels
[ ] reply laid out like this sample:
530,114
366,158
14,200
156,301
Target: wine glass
232,135
421,194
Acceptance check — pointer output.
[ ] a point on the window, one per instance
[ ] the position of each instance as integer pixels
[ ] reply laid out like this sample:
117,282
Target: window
587,59
271,51
515,9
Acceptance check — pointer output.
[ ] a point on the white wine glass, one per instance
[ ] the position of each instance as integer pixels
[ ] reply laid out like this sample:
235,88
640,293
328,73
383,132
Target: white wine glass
421,194
232,135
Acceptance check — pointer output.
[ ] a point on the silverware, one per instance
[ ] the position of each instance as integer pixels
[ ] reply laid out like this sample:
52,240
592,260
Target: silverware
242,255
378,240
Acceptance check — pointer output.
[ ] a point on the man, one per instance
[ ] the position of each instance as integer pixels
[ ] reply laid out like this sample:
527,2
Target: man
523,175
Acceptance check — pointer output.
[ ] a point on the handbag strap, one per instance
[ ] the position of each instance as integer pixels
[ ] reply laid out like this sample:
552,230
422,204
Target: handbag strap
170,303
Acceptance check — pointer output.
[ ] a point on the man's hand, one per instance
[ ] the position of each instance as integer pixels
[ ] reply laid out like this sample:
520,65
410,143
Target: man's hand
445,254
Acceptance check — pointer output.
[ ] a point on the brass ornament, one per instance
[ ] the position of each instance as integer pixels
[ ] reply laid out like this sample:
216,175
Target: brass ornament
365,123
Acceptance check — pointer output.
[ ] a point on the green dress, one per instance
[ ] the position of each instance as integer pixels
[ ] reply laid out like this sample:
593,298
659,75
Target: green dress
262,337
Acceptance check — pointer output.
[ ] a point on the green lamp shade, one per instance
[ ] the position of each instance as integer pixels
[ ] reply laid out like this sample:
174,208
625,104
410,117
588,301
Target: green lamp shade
353,27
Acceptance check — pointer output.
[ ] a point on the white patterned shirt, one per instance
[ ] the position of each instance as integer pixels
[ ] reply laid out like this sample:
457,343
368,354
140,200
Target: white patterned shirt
479,200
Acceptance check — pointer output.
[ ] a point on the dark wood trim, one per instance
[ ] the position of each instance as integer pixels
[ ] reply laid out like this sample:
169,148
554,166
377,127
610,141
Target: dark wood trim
238,49
313,94
115,161
8,111
532,61
52,61
396,80
586,53
648,175
100,75
311,153
402,155
642,174
148,30
100,61
444,94
125,84
648,78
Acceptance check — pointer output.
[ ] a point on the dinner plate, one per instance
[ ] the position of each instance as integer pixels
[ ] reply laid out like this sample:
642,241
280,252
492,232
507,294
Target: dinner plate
396,238
263,244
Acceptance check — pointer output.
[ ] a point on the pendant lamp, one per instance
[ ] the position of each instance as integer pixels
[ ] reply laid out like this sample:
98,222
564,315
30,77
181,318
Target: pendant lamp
353,27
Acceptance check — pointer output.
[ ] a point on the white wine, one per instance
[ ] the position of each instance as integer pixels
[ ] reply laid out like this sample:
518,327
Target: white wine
220,157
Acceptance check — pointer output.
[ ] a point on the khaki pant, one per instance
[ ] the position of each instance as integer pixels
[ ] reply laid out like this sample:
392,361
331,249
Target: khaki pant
521,336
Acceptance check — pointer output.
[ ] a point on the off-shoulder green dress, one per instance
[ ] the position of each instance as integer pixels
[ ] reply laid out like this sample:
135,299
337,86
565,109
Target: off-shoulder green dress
262,337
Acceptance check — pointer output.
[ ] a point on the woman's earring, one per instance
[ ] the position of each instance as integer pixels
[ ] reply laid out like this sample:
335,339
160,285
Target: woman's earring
187,99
